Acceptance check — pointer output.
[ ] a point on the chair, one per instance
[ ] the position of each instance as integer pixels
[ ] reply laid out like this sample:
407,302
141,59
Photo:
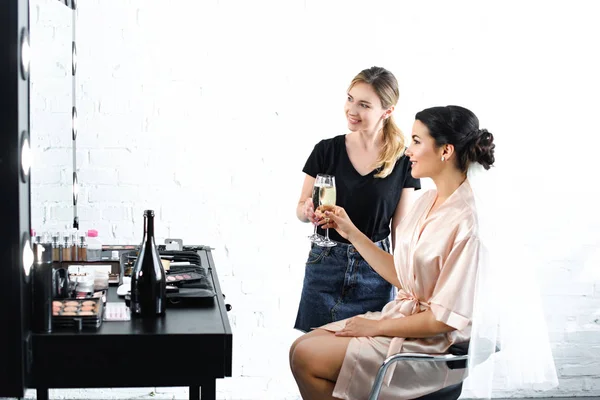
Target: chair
457,358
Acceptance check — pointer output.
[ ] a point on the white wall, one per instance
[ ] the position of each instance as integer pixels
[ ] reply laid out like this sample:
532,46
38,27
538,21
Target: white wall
207,110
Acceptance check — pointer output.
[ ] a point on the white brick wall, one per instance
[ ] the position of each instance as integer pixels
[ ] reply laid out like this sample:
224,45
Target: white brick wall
206,112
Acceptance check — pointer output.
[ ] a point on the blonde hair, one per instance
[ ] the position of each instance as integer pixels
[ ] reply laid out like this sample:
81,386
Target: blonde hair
386,86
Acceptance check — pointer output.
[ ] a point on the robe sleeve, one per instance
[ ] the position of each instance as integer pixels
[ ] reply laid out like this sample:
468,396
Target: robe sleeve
454,292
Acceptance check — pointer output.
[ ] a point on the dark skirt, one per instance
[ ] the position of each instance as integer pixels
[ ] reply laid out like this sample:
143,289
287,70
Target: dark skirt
339,284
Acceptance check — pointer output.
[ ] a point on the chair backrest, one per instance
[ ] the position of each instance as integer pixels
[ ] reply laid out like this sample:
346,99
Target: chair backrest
461,349
458,349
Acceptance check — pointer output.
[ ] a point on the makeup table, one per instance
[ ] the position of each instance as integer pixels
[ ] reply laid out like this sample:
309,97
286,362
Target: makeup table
187,347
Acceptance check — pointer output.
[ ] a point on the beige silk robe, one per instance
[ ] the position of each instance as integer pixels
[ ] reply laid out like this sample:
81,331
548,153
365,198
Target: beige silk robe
436,258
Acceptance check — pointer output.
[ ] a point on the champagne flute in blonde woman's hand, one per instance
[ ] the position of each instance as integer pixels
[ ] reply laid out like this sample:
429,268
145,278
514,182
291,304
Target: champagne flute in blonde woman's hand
315,237
327,197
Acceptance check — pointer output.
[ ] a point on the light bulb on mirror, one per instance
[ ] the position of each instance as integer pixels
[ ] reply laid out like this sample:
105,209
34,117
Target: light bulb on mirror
74,124
25,54
75,188
26,156
74,57
27,257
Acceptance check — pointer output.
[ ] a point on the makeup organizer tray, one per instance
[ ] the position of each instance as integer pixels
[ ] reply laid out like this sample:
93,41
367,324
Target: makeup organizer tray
189,283
77,313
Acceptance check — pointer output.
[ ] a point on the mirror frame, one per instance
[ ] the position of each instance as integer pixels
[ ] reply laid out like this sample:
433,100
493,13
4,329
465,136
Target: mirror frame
74,120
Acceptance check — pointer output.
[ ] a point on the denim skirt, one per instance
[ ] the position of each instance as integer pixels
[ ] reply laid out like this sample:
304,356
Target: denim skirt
339,284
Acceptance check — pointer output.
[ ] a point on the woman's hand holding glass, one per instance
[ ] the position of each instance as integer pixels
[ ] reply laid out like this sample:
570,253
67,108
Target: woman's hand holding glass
309,211
309,214
338,219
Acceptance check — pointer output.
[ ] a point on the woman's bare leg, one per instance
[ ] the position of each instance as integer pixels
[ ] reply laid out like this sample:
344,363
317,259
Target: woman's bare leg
316,361
308,335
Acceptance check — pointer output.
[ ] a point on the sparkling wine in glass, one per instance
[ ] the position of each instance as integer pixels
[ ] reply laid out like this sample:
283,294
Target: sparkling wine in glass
315,237
327,197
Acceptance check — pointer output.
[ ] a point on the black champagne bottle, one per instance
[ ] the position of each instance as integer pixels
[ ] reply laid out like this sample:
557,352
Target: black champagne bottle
148,281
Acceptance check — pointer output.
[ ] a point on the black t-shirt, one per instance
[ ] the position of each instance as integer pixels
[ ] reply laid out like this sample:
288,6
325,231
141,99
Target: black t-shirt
370,202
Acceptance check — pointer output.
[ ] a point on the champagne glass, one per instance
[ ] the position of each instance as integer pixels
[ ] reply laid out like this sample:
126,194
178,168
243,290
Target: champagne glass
327,203
315,237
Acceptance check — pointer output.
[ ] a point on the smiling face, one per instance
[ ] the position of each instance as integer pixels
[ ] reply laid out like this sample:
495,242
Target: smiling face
363,109
424,154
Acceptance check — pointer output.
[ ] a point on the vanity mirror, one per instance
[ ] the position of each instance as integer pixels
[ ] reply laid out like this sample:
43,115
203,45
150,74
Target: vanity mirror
53,106
39,68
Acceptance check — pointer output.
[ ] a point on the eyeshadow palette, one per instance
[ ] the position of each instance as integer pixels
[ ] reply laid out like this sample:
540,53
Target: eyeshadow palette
176,278
78,313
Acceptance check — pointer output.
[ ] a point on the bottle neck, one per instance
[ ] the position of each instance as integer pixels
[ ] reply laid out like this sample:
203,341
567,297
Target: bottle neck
149,228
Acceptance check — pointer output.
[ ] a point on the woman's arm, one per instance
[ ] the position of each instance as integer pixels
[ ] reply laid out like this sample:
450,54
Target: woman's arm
380,260
305,209
419,325
407,199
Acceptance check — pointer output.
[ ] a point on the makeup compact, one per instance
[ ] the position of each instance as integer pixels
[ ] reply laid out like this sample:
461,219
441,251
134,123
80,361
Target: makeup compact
77,313
179,278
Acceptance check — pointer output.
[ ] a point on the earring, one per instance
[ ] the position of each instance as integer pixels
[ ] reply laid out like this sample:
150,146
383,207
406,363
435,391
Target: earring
443,158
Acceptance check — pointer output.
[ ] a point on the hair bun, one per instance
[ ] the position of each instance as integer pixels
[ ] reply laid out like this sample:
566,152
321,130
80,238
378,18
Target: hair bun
482,148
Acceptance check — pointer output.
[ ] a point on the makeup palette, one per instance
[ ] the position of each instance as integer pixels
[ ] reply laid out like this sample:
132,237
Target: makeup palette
78,313
177,278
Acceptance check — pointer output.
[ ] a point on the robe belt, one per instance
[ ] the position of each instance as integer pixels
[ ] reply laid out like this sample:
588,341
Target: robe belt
416,306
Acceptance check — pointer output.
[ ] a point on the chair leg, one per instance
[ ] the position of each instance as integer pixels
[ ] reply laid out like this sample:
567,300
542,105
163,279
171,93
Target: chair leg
376,389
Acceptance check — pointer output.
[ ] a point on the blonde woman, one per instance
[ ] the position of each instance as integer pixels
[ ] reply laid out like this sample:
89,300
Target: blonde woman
375,187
